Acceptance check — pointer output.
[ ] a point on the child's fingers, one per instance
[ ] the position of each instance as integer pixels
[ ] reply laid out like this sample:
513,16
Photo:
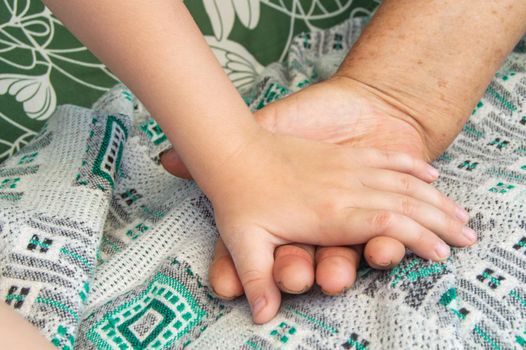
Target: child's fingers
450,229
253,256
396,161
361,225
383,252
392,181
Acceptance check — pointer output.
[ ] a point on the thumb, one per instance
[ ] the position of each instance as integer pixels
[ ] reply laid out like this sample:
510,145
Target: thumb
171,161
253,257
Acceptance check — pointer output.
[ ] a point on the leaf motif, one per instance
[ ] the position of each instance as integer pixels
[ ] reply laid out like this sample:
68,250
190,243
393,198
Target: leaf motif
37,27
18,57
241,67
221,14
248,12
34,92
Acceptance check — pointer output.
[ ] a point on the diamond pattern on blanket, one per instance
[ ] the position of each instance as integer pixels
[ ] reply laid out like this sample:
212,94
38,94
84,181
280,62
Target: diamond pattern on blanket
163,313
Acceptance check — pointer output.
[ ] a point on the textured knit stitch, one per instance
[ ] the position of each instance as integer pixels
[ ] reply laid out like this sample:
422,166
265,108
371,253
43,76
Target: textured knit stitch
100,248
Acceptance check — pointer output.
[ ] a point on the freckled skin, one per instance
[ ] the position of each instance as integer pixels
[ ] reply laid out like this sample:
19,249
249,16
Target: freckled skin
442,83
437,57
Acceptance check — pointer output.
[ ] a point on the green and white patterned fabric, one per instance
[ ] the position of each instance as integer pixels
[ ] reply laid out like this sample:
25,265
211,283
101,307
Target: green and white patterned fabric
42,65
101,248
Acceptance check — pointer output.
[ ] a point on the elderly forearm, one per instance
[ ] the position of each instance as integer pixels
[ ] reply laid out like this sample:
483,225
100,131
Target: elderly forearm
156,49
433,59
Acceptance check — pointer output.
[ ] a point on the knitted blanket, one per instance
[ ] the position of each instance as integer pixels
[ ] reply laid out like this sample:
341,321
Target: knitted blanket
101,248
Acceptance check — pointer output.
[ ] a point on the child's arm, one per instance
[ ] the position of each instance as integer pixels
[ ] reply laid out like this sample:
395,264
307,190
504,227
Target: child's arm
156,49
266,189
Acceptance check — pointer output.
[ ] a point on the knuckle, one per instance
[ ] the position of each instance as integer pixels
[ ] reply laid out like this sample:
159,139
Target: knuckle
408,161
406,185
251,278
443,201
445,204
420,239
386,155
407,206
449,204
369,156
381,220
330,209
452,225
419,163
412,162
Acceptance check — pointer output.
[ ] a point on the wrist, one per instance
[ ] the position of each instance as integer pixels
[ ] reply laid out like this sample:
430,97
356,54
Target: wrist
434,59
436,119
227,163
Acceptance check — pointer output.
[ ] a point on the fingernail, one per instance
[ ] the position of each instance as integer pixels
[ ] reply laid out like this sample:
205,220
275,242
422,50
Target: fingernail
384,263
345,289
469,234
258,305
290,291
442,251
433,172
462,214
329,294
222,297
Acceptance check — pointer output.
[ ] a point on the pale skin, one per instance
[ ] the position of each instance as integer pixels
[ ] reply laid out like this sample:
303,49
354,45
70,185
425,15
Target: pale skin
434,68
17,333
349,196
337,194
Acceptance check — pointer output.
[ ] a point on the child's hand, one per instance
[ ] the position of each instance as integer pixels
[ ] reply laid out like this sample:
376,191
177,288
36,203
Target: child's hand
286,189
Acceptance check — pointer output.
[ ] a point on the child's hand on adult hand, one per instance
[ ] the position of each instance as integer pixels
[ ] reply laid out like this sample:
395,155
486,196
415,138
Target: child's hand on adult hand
339,111
287,189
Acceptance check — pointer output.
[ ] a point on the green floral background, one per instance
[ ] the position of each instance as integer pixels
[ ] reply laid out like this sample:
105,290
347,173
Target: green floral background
42,65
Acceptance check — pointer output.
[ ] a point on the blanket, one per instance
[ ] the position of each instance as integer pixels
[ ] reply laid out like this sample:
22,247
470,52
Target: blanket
101,248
